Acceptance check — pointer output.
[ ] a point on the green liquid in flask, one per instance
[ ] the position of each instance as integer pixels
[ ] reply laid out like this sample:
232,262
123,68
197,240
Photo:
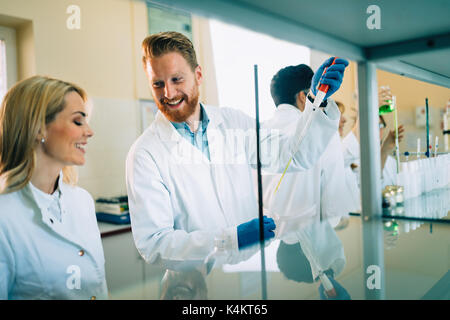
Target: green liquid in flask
386,108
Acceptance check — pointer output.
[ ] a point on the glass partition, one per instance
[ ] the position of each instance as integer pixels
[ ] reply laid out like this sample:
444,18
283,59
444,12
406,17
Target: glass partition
302,266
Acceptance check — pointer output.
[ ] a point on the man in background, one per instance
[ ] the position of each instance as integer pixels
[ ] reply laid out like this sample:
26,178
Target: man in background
322,186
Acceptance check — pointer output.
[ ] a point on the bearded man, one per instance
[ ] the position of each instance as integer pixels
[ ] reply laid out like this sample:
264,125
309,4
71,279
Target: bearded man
189,177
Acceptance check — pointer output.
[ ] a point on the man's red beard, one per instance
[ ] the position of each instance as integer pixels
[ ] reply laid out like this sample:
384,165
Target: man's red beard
179,114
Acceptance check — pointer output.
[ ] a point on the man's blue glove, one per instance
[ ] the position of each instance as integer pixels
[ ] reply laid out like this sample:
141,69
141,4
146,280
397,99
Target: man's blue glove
341,293
332,77
248,232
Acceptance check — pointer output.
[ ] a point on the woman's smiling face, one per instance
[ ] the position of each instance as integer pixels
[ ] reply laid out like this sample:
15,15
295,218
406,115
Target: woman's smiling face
67,135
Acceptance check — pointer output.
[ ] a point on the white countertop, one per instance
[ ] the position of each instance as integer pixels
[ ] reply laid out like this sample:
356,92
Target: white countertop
105,227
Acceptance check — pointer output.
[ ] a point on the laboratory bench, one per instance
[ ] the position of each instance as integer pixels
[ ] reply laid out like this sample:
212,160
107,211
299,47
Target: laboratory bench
414,238
128,276
415,265
432,206
110,229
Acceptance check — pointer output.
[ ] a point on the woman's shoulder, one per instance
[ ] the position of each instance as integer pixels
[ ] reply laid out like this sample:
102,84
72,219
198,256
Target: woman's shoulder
11,205
78,200
11,199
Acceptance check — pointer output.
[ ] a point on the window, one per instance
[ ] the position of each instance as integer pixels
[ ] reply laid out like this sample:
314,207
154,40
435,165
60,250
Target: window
168,19
236,51
8,59
3,86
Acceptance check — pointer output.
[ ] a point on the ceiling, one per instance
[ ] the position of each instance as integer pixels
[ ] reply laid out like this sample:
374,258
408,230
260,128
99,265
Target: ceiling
340,28
347,19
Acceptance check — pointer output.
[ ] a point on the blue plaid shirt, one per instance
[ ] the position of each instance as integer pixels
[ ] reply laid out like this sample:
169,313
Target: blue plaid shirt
198,139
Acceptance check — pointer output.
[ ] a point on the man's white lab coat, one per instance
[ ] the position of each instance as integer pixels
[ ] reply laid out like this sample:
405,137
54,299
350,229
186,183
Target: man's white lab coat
180,201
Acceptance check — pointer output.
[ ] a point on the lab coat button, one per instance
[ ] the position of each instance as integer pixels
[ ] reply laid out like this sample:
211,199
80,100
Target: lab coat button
81,253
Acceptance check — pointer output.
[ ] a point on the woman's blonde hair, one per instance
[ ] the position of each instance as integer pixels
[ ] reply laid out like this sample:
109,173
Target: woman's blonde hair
26,110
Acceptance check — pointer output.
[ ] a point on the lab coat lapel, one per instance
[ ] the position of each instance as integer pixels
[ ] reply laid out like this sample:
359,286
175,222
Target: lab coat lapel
52,223
219,155
185,153
179,148
216,136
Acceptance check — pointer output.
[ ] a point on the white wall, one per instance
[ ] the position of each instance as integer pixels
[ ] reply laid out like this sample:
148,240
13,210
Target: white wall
235,51
116,125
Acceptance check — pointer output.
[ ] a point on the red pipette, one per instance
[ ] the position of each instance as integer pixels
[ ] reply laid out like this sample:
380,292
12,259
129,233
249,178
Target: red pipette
323,89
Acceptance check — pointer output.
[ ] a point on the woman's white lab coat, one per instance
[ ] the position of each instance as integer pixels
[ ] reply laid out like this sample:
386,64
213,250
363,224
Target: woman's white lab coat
350,145
43,258
180,201
353,176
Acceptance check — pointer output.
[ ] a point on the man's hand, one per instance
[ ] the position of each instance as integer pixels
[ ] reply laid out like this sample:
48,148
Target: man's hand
384,94
248,232
340,293
333,75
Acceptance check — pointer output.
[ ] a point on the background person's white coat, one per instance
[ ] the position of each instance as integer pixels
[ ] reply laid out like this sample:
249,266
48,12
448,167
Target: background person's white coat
323,186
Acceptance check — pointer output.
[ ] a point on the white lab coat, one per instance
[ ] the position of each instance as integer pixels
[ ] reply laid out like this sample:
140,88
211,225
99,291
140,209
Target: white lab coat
322,247
321,187
350,145
389,173
351,151
180,201
40,256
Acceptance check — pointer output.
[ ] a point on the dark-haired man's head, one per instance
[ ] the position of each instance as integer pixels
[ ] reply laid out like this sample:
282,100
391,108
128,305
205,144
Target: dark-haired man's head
290,85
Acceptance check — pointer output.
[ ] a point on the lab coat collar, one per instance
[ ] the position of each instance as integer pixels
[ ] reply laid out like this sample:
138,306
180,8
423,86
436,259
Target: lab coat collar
291,108
167,131
181,149
44,202
286,106
63,187
204,121
58,227
214,115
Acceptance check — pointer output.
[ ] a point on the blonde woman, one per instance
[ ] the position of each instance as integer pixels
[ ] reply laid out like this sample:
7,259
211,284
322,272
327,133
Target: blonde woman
50,246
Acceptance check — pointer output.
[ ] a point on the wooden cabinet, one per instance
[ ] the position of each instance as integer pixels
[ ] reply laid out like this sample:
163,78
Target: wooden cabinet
128,276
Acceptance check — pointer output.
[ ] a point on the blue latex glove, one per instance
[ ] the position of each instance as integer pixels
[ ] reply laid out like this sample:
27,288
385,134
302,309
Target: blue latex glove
341,293
248,232
332,77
